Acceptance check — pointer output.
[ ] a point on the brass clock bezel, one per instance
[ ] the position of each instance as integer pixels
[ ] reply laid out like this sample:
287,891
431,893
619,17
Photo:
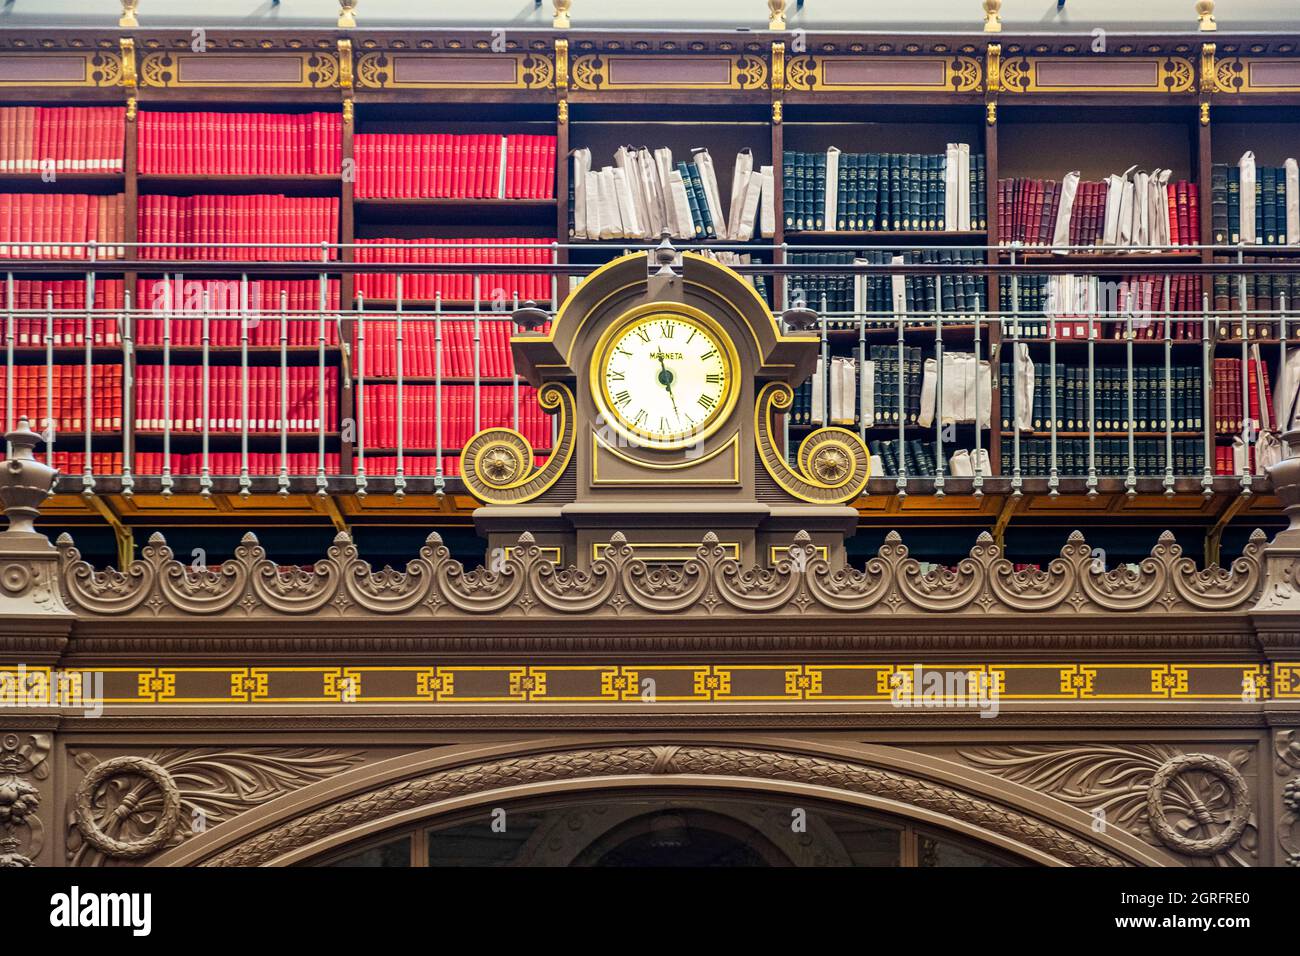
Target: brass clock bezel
635,316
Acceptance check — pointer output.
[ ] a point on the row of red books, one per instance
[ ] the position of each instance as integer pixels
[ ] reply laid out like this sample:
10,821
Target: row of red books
1144,295
449,166
230,463
245,221
1230,413
1028,210
73,138
421,408
63,295
1225,460
29,222
69,462
263,299
240,144
460,355
225,399
496,289
37,388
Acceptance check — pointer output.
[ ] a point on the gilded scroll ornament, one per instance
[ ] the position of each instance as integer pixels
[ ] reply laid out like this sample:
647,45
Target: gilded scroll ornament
833,463
498,463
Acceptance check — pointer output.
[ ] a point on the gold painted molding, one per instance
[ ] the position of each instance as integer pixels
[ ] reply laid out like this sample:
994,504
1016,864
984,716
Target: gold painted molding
599,444
1256,74
498,464
379,70
723,681
834,463
922,74
97,69
737,72
301,70
1160,74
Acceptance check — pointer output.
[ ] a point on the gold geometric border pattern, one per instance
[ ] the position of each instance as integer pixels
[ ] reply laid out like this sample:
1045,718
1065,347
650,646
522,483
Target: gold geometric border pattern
596,72
91,68
922,74
1251,74
308,70
454,71
1063,74
654,682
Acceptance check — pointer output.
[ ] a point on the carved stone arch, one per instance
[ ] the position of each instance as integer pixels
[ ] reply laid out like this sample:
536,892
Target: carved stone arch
423,786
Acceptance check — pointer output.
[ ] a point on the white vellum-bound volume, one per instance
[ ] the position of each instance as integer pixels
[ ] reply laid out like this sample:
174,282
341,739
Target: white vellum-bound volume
709,180
929,386
663,158
867,390
592,214
1024,388
684,224
1292,173
581,166
1246,166
626,205
745,216
767,204
951,183
817,411
1141,230
744,168
609,206
963,187
1069,186
831,199
1114,191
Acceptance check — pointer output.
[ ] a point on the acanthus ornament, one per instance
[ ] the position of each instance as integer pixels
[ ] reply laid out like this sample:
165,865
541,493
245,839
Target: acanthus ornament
616,583
22,756
1195,804
131,807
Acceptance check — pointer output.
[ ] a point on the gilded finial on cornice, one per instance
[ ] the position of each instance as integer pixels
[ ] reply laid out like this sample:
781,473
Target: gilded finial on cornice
128,18
992,16
1205,14
347,13
561,19
776,14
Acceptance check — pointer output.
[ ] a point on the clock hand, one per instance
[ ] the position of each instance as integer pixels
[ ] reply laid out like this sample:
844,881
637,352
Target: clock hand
666,380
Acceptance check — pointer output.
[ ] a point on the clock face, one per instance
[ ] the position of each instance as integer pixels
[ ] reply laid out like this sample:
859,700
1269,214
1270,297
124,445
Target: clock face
665,378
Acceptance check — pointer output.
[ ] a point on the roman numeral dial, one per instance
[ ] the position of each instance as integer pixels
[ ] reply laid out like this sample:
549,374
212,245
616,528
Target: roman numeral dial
665,378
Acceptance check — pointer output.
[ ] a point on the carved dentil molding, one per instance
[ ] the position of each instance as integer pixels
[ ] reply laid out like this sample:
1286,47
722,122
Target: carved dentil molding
528,584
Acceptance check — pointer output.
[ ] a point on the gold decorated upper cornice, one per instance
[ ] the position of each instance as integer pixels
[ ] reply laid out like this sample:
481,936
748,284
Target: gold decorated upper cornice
934,74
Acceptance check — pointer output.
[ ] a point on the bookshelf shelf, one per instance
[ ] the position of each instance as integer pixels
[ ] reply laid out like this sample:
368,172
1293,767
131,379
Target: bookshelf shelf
870,238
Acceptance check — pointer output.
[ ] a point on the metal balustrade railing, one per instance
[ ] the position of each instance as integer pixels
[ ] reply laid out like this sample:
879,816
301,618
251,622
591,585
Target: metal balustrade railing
340,395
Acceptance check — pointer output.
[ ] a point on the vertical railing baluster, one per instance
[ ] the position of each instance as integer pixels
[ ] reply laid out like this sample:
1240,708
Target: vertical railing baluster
205,472
1016,477
1094,321
1169,395
938,388
399,477
1284,385
900,386
10,418
1207,394
50,429
245,483
1130,474
359,471
282,482
977,483
88,465
439,481
167,385
1054,471
128,408
514,378
477,320
1247,423
322,410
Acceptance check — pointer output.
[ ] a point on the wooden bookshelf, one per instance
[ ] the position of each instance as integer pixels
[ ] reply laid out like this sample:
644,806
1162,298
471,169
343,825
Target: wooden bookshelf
1099,123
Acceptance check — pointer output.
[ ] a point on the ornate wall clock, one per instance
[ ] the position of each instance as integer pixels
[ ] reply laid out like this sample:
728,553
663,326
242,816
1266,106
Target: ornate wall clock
669,385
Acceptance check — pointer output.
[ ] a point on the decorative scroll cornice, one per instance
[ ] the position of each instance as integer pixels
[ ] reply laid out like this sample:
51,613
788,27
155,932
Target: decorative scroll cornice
713,583
83,68
498,463
834,463
1253,74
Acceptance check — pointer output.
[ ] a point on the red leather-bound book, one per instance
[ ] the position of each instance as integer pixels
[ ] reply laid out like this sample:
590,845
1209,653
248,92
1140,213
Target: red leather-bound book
1191,235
